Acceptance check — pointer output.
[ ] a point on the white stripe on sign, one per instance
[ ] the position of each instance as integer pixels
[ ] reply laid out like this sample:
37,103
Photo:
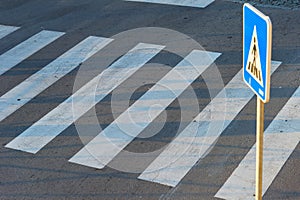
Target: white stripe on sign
188,3
105,146
195,146
280,140
27,48
5,30
41,80
51,125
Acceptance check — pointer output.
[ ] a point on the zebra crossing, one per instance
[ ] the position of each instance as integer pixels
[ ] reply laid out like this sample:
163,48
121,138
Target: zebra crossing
61,117
280,140
47,76
237,96
178,79
42,132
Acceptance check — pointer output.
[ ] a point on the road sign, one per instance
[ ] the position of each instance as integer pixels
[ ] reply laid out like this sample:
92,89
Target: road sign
257,36
257,39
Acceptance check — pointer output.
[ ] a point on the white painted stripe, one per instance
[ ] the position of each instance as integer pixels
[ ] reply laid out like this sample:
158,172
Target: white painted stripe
51,125
5,30
41,80
195,146
188,3
105,146
27,48
280,140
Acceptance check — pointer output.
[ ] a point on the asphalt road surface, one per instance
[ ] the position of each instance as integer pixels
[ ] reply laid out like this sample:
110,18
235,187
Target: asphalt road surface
118,99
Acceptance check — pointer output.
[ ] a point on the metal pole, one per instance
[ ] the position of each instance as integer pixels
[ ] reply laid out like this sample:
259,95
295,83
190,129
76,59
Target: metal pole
259,148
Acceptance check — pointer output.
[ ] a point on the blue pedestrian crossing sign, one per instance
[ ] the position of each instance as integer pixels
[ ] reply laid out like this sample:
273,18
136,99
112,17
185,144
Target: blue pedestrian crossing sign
257,45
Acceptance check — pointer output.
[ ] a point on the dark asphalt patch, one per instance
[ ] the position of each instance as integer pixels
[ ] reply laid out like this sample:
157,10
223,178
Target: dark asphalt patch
293,4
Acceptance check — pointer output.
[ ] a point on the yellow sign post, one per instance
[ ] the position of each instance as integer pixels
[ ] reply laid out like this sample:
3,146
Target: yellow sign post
257,45
259,147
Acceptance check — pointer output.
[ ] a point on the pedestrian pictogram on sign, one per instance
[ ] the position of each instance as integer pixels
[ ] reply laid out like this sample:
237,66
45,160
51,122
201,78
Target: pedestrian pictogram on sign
253,61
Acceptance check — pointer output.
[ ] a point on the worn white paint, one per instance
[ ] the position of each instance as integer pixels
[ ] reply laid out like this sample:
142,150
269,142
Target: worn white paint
5,30
195,147
27,48
188,3
52,124
280,140
41,80
113,139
